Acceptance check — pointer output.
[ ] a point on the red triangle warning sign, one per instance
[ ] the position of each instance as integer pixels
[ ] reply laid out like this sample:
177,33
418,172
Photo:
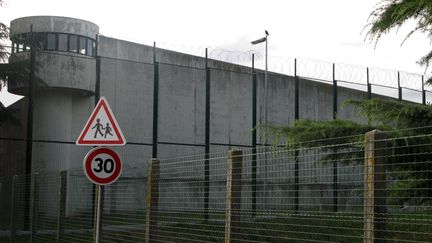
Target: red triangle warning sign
101,128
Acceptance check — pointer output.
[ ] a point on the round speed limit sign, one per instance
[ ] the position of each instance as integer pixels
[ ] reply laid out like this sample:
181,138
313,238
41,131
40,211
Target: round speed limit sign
102,166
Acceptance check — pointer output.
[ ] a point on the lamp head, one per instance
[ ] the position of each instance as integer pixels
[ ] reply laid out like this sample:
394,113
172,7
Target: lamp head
259,41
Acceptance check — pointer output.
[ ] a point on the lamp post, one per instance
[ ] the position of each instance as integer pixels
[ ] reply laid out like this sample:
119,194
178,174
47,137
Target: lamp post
261,40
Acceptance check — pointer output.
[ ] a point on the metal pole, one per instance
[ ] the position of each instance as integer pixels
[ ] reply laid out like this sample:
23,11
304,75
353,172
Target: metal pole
265,85
423,92
207,141
155,102
296,92
335,97
29,140
399,87
98,215
13,208
369,86
97,97
335,169
265,119
254,135
296,151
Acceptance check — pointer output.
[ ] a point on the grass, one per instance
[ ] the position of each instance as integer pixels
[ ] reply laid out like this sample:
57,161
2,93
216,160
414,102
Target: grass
289,227
4,221
281,226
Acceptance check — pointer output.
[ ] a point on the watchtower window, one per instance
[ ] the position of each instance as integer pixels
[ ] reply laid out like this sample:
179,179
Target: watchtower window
40,40
82,45
73,43
51,41
62,42
90,47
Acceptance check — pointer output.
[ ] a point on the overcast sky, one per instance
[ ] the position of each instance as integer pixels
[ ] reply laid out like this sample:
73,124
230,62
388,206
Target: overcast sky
328,30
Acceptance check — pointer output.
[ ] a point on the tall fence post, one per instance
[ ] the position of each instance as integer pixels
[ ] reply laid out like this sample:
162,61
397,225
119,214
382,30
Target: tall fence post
369,85
335,163
152,200
423,91
296,151
155,103
61,214
96,100
33,206
29,135
233,195
399,87
375,186
335,93
12,209
296,93
254,136
207,140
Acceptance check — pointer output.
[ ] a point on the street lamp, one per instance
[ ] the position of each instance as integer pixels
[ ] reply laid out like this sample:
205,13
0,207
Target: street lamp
261,40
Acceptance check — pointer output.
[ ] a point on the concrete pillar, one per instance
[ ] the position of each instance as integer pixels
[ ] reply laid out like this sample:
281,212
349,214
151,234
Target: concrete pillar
374,186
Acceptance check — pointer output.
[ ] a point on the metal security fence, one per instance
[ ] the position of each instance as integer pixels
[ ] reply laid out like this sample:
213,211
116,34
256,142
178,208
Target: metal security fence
394,83
374,188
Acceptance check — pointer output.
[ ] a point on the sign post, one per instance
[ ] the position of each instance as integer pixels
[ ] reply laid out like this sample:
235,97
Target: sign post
98,213
102,165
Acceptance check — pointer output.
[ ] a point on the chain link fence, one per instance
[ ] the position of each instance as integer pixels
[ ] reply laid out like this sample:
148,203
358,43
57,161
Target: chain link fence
376,187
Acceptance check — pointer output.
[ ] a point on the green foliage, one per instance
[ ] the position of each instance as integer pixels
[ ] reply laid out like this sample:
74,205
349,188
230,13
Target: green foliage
308,133
4,35
390,14
4,51
8,116
394,114
407,125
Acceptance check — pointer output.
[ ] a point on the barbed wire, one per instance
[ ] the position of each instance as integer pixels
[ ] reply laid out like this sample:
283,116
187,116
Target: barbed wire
307,67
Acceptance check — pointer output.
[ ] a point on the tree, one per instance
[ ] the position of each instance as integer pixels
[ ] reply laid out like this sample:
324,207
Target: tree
397,118
391,14
408,127
4,50
6,115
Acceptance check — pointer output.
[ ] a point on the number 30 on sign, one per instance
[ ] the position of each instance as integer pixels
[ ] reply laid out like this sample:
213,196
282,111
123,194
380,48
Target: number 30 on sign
102,166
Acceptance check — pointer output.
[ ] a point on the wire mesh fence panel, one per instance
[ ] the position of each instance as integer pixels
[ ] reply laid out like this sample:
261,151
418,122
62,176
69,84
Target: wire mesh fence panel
4,213
45,204
189,207
408,189
355,189
124,208
21,220
294,195
78,222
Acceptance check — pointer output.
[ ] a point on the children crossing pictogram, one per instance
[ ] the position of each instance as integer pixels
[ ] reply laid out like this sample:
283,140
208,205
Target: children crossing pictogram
98,127
96,134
